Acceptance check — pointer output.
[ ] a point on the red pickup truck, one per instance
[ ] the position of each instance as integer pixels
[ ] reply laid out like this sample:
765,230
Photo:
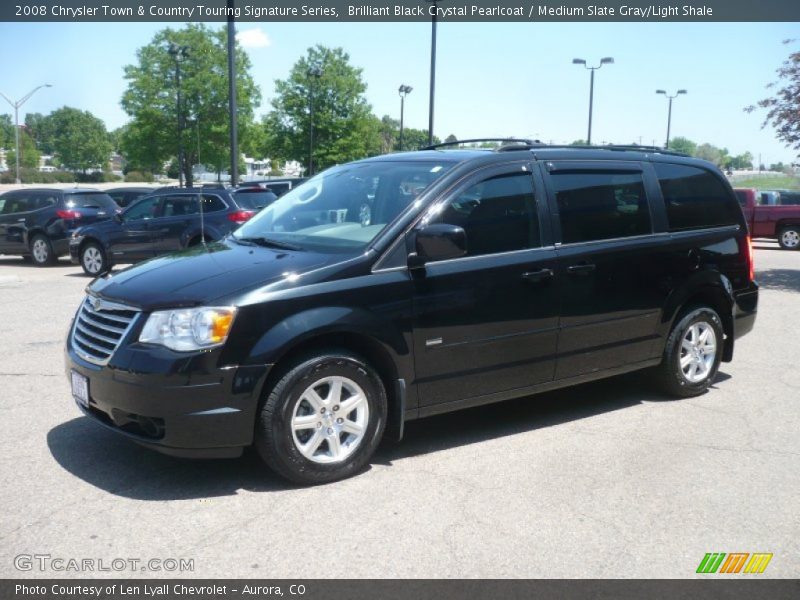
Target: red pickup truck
780,222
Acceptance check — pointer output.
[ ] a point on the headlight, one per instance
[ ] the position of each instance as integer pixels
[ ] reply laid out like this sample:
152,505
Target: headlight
76,237
187,329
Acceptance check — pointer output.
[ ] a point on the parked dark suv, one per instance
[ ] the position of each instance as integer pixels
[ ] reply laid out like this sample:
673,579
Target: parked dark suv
38,222
412,284
167,220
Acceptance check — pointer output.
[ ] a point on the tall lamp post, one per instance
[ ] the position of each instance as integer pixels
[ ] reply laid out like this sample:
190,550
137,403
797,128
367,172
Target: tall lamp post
603,61
16,106
314,73
669,112
232,106
433,71
178,53
403,90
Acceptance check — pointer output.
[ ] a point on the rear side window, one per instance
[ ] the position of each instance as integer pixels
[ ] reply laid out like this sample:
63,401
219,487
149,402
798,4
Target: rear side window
790,198
601,205
695,198
17,203
213,203
99,201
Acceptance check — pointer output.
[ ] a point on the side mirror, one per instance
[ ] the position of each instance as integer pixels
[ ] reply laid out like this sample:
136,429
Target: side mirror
118,217
438,242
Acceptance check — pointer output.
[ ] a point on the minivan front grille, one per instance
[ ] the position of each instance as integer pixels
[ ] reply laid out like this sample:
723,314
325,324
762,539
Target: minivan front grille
99,328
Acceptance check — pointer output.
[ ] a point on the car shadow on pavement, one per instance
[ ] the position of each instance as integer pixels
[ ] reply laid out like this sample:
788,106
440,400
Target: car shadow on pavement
120,467
784,280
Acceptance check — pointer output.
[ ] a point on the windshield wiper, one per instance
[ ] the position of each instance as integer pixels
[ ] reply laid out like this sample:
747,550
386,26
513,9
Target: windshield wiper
267,243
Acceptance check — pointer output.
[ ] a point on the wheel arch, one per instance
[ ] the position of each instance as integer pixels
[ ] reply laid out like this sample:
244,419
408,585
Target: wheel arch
714,292
346,329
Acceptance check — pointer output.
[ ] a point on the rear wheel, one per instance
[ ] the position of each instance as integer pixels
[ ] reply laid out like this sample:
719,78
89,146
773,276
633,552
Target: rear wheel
789,237
323,419
42,251
93,260
692,353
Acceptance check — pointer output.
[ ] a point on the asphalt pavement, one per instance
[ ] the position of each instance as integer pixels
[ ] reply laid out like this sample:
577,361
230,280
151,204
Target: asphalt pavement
609,479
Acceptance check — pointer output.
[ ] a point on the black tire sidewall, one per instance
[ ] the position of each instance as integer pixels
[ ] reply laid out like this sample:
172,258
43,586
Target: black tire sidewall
103,266
706,315
276,423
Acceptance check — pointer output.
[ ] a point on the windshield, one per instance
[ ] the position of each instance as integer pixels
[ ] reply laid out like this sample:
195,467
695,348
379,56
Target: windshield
344,208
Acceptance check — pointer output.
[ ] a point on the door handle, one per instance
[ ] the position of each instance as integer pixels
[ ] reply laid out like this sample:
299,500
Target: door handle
21,220
538,275
580,269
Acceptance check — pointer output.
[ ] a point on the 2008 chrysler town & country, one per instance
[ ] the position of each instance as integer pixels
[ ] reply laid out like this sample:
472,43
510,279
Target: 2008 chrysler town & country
411,284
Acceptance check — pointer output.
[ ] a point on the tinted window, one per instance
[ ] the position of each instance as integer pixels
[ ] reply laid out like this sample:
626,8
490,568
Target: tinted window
213,203
741,196
143,209
42,200
601,205
790,198
179,205
695,198
16,203
90,200
498,214
254,199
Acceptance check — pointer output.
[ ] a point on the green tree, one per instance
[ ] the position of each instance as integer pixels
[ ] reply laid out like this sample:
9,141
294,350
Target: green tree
414,139
152,137
41,130
682,144
451,138
344,128
28,155
783,109
80,139
711,153
6,132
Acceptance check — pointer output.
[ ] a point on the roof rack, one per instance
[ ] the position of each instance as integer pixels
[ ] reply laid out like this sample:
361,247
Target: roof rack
511,142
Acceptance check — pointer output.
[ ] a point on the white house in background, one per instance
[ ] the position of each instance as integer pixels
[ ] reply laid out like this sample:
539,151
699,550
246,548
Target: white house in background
292,168
260,167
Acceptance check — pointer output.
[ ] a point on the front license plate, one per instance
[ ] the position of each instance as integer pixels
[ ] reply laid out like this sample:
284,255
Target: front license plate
80,389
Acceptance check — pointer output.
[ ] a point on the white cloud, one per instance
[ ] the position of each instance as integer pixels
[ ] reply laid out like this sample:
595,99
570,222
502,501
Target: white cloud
253,38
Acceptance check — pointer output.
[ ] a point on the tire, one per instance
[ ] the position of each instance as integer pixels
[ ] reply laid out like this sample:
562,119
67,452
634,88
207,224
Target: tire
307,438
688,368
42,253
789,237
93,259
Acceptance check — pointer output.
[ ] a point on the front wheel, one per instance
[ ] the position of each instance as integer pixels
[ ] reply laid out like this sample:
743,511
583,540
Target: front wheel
692,353
93,260
323,419
789,237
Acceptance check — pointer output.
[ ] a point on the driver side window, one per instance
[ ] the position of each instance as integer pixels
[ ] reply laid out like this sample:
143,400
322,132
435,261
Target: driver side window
498,214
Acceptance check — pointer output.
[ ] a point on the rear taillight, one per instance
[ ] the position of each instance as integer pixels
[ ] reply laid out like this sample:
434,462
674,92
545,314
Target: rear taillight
68,214
240,216
751,267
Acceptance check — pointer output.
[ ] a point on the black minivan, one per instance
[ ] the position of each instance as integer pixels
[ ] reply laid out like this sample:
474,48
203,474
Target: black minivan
411,284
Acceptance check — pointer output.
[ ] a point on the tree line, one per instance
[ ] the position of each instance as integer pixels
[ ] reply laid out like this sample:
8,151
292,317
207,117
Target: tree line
323,91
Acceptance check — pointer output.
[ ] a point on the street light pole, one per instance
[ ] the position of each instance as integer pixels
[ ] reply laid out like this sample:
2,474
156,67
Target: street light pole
178,53
313,73
232,106
16,106
433,72
403,90
603,61
669,111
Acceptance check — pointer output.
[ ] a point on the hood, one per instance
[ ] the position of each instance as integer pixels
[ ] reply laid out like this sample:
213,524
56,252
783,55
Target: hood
202,275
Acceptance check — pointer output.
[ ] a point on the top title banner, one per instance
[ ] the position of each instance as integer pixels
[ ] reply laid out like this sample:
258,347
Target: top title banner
397,10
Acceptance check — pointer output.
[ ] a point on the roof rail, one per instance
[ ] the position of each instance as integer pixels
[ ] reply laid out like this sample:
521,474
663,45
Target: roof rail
513,142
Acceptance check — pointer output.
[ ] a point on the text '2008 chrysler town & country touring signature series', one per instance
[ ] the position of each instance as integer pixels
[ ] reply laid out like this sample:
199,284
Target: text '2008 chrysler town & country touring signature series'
412,284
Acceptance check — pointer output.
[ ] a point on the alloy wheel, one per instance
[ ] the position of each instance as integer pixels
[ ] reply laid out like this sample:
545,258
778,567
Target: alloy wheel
698,351
92,260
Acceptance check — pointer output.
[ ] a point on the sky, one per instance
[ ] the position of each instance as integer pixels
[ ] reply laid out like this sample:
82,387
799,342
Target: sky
492,79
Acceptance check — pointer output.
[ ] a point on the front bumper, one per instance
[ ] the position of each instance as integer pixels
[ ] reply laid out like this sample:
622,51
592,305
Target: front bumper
171,403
